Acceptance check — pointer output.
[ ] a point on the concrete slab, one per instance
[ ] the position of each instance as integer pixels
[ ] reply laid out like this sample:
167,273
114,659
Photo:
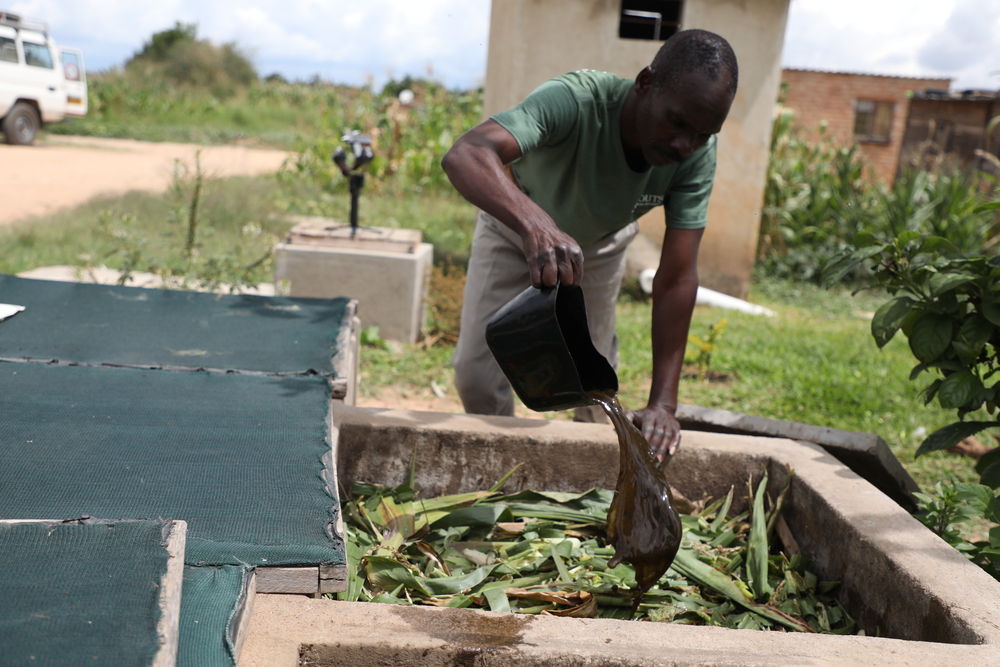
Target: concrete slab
919,601
317,230
287,631
866,454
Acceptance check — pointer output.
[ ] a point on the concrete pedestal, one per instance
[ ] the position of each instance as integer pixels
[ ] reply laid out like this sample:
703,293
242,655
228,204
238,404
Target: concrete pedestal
388,278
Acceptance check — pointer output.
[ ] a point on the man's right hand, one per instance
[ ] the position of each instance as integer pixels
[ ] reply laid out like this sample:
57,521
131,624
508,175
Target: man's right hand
553,256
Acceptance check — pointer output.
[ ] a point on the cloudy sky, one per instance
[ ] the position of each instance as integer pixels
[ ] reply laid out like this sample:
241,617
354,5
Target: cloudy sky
352,41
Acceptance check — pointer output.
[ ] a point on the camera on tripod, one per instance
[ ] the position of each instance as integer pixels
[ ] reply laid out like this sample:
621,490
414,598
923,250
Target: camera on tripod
361,148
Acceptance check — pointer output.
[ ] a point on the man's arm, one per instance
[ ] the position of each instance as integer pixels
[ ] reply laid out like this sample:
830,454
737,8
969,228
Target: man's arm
475,166
675,289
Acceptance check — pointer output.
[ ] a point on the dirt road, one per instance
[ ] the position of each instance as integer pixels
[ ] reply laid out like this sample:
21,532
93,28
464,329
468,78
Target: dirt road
63,171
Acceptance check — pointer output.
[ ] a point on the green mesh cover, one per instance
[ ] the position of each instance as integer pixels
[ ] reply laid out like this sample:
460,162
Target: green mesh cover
94,324
239,457
214,600
77,594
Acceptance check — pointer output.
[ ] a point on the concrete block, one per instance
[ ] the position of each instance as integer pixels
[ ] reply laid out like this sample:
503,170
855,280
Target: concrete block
866,454
919,600
390,287
288,631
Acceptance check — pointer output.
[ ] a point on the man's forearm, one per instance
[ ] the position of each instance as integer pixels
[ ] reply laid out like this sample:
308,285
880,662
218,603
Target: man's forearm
475,166
671,313
478,174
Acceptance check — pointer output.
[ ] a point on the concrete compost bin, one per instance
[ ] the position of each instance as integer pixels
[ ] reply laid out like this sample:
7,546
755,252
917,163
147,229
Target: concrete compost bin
918,600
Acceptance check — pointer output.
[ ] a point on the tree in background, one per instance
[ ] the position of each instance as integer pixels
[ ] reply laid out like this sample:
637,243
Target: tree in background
179,57
158,47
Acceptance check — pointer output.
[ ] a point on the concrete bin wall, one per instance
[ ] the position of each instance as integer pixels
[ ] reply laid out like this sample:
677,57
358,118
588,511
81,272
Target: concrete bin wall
926,603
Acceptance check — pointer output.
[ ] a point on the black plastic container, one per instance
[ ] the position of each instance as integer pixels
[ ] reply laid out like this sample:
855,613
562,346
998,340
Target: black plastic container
542,342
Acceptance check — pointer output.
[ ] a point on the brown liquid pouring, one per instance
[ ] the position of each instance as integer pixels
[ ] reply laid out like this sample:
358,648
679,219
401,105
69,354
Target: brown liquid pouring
643,525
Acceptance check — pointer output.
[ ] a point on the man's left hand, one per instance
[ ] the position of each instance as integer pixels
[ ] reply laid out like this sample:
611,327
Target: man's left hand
661,429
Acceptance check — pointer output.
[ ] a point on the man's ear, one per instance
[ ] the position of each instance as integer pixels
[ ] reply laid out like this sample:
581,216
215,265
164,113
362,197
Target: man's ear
644,80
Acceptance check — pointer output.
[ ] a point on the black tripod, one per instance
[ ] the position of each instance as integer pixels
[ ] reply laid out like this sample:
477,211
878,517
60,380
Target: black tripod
361,148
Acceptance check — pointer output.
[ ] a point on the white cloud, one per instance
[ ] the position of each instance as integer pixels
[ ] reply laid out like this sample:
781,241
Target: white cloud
343,40
347,39
115,21
252,28
967,42
947,38
350,40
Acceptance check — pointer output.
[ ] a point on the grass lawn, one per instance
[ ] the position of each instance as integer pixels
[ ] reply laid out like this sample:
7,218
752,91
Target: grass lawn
814,362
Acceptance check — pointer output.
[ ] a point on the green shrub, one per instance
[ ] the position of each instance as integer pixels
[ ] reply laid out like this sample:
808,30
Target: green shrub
159,45
818,199
204,240
815,201
177,56
947,304
409,140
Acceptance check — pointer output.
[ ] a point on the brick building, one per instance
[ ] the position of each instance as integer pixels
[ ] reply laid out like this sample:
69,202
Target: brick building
868,109
953,126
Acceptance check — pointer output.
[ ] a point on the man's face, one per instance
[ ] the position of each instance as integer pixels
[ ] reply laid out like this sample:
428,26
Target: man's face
678,119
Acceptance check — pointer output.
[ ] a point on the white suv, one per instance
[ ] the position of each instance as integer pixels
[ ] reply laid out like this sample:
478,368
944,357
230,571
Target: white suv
39,82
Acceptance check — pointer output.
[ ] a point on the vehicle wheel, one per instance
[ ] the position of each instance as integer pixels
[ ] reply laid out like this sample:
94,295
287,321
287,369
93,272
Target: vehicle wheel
21,124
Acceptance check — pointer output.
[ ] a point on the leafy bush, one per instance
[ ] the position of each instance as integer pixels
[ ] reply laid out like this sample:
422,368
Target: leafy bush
409,139
954,503
947,203
198,243
131,104
947,304
158,46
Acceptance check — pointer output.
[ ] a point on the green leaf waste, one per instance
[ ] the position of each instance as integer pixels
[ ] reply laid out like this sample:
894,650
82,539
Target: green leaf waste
537,552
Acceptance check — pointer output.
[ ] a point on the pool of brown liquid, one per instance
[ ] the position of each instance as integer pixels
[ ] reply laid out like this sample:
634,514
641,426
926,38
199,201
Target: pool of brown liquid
643,525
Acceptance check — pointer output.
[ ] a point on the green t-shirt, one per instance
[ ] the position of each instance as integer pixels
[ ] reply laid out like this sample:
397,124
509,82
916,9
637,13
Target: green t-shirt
573,163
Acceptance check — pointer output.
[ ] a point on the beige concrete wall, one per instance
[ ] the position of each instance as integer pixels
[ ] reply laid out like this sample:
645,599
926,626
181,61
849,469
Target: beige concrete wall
756,30
533,40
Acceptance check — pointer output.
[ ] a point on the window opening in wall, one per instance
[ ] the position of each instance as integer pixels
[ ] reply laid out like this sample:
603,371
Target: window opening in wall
649,19
872,121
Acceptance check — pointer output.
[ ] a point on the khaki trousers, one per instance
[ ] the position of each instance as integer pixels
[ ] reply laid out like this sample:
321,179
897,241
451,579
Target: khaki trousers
497,273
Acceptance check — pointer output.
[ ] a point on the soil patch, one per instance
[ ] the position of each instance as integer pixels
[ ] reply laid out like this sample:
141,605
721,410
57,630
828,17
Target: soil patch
63,171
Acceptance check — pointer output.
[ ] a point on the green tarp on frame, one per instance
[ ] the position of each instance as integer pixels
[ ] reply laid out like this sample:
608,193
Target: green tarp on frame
81,593
241,458
107,324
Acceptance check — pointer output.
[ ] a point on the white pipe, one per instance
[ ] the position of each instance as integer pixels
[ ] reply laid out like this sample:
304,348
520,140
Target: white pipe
708,297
